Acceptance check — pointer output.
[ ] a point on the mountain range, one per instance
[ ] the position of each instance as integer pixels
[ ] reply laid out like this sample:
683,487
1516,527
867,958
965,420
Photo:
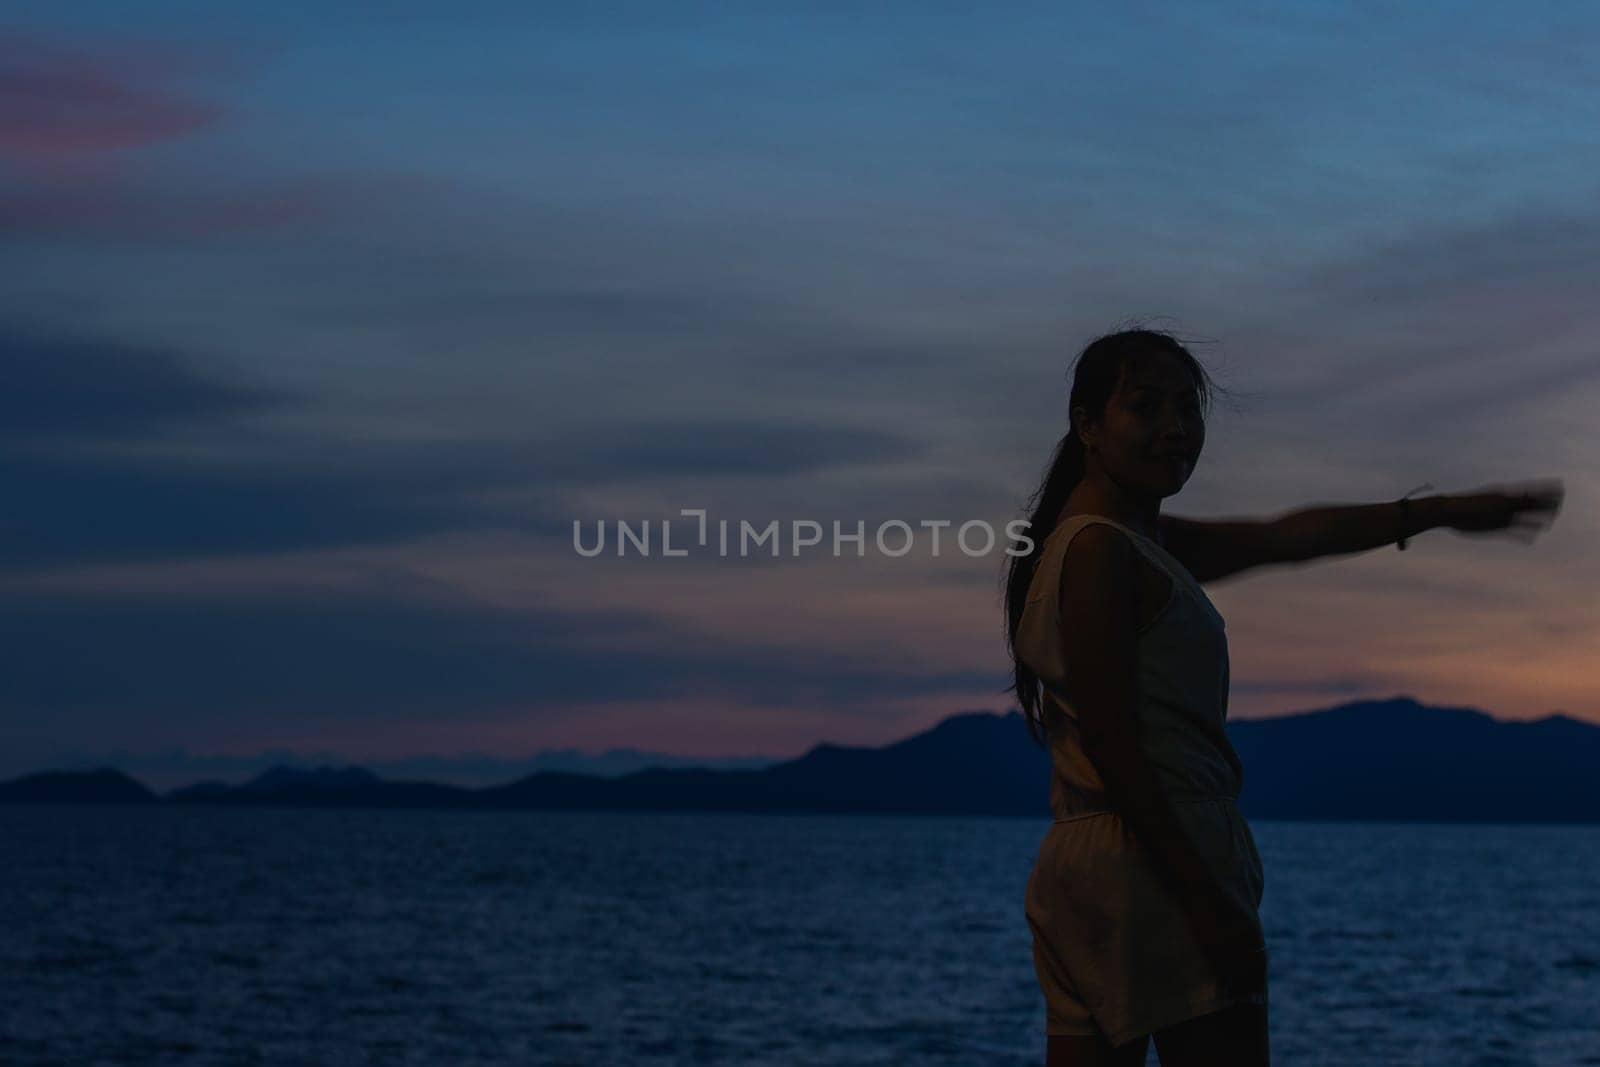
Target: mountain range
1392,759
172,767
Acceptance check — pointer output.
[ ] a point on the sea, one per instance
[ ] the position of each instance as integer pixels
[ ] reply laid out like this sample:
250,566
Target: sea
198,935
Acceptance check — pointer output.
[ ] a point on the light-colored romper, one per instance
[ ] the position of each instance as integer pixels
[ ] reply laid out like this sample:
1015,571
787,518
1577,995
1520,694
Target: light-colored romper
1111,945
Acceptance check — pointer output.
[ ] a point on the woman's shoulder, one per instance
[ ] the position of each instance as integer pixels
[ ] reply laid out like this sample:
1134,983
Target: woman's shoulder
1103,546
1067,526
1145,567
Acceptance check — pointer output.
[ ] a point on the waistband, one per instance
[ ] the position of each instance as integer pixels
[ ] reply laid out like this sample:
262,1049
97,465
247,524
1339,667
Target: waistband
1095,812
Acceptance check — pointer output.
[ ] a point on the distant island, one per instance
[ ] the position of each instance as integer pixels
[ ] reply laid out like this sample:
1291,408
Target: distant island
1371,760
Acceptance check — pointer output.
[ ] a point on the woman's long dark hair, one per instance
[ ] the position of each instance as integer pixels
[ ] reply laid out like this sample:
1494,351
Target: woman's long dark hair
1099,367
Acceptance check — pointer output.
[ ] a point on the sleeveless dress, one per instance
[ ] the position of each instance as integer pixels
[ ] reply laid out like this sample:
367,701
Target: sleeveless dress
1111,944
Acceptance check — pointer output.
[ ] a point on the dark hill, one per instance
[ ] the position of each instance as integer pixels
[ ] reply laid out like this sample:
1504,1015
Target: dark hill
325,787
972,764
1390,759
103,786
1398,759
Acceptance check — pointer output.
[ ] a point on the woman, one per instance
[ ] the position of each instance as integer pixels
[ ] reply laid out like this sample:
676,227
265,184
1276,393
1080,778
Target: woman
1143,900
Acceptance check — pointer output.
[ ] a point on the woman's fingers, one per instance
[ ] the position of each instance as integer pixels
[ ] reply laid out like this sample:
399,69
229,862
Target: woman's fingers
1542,495
1529,506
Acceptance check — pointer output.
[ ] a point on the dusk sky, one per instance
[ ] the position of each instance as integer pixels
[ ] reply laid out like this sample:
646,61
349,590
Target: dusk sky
322,326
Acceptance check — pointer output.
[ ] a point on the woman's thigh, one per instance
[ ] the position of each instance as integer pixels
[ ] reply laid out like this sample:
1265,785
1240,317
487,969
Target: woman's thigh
1236,1036
1063,1051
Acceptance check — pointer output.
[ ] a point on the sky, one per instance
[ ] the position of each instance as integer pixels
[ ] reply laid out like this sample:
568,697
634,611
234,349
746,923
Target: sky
323,325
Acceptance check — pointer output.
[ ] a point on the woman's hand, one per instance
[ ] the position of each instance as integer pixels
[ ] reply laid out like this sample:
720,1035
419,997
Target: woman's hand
1232,941
1529,507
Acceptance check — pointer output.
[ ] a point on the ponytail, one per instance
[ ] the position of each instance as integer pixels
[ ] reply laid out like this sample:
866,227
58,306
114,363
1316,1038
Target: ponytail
1044,508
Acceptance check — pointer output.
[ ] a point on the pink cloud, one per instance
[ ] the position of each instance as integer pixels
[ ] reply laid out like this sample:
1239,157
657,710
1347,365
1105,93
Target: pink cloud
63,104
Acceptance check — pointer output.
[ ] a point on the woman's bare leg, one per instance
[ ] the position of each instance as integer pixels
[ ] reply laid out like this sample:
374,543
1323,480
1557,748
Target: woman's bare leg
1233,1037
1063,1051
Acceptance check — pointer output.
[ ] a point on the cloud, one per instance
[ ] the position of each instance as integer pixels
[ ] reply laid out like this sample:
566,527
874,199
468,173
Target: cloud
1334,686
126,453
120,669
59,102
120,452
82,388
113,210
68,510
643,451
73,115
1466,320
1457,264
356,655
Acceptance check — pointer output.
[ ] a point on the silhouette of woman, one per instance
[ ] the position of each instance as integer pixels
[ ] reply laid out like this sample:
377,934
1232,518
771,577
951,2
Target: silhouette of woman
1143,898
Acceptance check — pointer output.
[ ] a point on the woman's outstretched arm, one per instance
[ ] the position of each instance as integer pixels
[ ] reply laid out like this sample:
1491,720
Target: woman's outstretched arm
1339,529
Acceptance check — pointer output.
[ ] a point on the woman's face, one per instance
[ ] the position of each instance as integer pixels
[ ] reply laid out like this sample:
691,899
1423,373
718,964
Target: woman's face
1153,431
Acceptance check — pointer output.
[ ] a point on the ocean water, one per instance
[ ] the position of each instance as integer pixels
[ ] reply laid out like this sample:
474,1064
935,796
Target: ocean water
297,936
